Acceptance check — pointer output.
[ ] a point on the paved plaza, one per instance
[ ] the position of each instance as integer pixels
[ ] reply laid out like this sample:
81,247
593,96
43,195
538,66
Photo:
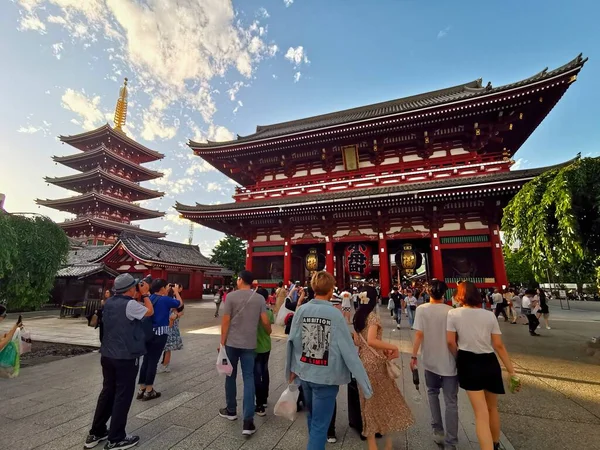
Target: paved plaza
50,406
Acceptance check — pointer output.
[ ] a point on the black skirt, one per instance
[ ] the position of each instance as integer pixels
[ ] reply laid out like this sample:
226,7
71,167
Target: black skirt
479,372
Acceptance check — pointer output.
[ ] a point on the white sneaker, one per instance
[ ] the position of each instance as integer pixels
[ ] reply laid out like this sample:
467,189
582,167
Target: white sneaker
163,369
398,326
548,328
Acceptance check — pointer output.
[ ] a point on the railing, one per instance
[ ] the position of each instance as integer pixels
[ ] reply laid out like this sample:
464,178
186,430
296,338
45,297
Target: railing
472,280
86,309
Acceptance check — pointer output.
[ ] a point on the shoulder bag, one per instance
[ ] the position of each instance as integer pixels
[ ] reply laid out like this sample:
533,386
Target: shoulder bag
393,370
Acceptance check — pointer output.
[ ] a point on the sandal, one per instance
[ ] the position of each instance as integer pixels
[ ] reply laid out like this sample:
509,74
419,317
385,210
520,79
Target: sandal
151,395
140,394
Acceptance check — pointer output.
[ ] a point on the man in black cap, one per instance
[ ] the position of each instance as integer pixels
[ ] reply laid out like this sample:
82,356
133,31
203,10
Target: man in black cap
244,309
123,344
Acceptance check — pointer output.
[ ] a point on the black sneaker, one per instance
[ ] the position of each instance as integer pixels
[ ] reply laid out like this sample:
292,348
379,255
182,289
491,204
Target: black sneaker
223,412
151,395
128,442
260,411
249,428
91,441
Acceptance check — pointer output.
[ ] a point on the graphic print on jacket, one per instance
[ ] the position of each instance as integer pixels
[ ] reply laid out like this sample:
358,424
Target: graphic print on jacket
316,337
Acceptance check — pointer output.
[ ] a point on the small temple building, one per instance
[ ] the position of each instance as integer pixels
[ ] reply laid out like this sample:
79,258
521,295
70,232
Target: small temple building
417,181
104,241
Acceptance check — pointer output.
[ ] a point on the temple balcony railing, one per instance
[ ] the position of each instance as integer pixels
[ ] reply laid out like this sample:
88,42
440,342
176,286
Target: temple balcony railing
367,178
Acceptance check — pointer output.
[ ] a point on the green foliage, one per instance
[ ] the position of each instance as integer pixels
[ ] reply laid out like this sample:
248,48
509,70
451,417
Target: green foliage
31,252
518,268
556,219
230,252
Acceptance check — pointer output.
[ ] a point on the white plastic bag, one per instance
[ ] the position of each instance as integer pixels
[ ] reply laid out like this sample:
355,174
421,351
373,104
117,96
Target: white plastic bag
391,304
25,342
224,366
287,406
281,315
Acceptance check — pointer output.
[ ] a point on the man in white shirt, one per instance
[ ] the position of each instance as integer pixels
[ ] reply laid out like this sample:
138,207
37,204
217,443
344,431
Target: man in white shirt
411,306
439,364
498,302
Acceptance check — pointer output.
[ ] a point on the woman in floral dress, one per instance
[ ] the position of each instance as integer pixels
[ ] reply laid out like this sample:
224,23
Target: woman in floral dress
386,412
174,341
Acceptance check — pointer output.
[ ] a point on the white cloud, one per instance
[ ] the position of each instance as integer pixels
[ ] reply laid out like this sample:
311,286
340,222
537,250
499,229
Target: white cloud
57,49
175,47
235,88
173,216
155,126
87,108
275,77
520,164
172,185
262,12
288,3
212,187
31,22
443,33
297,76
30,129
297,56
199,166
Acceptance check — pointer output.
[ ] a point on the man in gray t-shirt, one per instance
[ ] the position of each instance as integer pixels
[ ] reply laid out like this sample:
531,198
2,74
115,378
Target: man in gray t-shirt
242,312
438,362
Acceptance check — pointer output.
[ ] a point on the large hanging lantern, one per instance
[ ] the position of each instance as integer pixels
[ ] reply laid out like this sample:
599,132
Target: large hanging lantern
408,259
314,261
359,260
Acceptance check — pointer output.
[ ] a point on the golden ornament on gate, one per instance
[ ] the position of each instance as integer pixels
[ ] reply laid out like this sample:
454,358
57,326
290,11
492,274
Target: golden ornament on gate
312,260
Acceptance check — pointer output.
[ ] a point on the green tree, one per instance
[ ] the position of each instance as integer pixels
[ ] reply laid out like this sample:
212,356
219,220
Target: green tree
556,219
230,252
31,252
518,269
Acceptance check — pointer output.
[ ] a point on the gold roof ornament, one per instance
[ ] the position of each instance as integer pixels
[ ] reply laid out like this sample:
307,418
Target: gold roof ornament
121,108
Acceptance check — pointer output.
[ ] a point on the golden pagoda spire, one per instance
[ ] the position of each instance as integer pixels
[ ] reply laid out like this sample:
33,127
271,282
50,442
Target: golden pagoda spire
121,109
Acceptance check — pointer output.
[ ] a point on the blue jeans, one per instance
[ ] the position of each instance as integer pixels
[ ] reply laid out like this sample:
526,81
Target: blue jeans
246,358
411,315
398,314
448,384
320,404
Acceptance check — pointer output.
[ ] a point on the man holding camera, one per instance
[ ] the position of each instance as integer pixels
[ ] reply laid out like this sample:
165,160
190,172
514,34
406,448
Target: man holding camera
123,344
155,344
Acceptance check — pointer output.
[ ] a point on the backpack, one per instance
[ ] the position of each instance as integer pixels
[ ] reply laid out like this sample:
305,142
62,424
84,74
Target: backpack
147,322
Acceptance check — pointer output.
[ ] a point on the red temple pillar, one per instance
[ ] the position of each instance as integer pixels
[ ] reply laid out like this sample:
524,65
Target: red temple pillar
498,257
249,256
339,270
384,266
329,264
287,262
437,267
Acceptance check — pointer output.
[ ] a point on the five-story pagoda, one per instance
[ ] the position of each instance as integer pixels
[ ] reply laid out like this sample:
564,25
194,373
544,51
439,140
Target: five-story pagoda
108,183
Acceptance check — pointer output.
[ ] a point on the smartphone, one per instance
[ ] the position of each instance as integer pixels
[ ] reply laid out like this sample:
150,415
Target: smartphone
20,319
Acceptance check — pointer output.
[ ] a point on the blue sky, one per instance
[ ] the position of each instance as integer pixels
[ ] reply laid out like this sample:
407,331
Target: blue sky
214,68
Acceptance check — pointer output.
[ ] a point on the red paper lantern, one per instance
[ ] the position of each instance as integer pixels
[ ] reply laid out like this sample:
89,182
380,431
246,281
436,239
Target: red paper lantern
358,261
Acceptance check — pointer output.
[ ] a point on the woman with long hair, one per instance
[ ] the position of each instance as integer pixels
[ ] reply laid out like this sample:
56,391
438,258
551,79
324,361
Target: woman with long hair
386,412
474,337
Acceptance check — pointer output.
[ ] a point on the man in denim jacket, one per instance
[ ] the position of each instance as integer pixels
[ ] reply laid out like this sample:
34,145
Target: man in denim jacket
322,355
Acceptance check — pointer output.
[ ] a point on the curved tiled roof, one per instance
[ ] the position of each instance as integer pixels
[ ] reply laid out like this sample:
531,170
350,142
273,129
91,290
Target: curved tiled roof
98,173
149,249
351,194
110,225
119,135
440,97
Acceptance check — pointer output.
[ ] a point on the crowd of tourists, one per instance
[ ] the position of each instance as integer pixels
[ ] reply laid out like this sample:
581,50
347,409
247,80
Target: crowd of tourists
139,322
335,339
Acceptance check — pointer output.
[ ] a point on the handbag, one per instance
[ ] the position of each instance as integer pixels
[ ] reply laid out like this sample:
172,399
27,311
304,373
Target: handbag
393,370
93,321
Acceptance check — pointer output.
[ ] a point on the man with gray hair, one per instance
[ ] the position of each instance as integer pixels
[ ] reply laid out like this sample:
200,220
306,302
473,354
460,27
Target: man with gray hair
121,348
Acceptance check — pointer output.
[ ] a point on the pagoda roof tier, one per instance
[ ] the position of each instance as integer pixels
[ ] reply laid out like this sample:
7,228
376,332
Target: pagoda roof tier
107,225
74,205
434,102
151,251
81,182
453,187
106,133
101,155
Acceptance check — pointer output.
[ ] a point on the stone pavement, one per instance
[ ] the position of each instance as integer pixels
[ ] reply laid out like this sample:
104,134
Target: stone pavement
50,406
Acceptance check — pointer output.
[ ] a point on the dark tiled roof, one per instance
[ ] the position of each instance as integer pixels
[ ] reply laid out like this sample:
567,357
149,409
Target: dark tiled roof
85,270
99,173
413,103
168,252
86,254
222,271
118,135
110,225
375,191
